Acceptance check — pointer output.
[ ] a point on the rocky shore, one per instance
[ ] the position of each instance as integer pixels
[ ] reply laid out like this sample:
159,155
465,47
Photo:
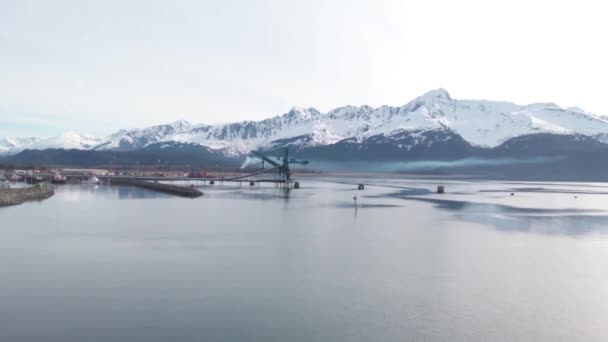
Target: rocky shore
14,196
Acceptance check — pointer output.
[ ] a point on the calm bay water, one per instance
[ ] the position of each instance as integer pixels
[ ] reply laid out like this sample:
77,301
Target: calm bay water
100,263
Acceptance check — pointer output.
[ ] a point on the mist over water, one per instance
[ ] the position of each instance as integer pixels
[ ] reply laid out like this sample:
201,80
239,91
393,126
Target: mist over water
421,165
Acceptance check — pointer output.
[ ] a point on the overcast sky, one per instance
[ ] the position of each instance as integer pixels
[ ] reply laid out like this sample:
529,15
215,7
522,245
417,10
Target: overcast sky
97,66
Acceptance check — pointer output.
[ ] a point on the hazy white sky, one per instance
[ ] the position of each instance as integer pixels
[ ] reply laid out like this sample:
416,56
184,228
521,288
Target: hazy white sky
97,66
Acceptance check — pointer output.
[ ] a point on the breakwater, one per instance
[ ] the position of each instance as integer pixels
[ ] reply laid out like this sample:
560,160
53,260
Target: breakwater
14,196
184,191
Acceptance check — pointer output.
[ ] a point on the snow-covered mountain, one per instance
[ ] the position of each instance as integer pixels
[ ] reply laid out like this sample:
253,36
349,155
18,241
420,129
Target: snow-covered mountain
15,145
67,140
485,124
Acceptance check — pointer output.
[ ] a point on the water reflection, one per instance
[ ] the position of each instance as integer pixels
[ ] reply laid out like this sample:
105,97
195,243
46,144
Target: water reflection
257,194
131,192
573,222
80,192
265,264
355,205
546,190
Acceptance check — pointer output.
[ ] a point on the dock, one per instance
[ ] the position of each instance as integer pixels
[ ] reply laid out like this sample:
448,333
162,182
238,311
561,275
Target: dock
183,191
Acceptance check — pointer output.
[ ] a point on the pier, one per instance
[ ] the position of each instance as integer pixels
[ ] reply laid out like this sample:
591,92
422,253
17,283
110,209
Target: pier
250,178
184,191
159,181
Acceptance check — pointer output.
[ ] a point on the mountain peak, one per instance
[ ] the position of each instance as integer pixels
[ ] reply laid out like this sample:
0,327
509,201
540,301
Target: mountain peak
435,94
180,124
304,113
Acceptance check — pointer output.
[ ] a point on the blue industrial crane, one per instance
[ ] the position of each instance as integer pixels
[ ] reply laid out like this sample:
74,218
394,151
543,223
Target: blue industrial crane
283,167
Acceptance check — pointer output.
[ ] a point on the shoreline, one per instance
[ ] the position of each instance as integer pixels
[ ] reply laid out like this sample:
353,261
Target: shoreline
16,196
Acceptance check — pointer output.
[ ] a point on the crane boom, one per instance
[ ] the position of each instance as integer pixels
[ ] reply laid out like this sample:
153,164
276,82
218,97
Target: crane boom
266,159
283,167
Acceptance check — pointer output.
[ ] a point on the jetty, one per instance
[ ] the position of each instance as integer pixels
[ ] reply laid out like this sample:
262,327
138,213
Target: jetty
184,191
15,196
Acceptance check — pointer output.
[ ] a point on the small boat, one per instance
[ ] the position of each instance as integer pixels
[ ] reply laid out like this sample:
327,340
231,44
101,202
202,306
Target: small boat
58,179
92,180
15,178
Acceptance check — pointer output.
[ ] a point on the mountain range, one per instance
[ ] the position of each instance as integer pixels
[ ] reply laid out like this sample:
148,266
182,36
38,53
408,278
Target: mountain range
431,127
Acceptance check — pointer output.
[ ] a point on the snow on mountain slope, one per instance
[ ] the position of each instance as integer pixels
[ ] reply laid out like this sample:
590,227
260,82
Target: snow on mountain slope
68,140
480,123
15,145
490,123
138,138
240,138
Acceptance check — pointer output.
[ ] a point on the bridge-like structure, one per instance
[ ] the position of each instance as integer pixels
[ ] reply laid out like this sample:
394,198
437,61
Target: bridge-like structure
281,170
